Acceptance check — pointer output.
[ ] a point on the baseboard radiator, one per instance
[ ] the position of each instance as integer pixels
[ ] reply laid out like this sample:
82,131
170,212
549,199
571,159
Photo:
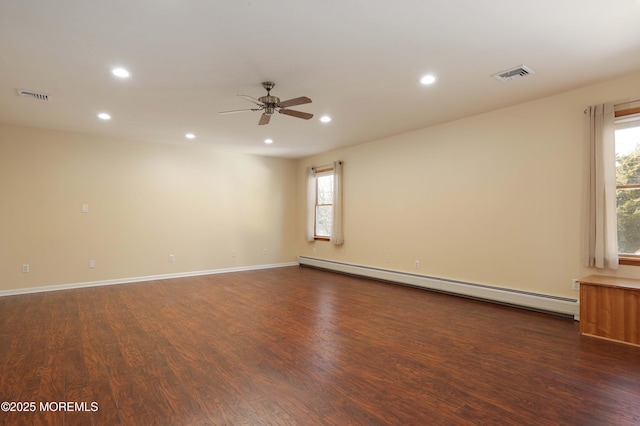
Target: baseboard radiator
522,299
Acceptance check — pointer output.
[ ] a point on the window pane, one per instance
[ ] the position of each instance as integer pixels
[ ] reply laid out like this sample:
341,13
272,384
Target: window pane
628,211
323,221
628,155
325,189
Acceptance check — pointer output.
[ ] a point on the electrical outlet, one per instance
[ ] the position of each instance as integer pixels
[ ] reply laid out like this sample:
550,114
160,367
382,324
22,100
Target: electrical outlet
575,285
417,264
264,251
25,268
233,254
85,208
387,259
92,263
171,258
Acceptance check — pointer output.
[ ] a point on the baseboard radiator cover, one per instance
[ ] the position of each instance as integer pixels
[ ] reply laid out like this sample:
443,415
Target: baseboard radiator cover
505,296
29,290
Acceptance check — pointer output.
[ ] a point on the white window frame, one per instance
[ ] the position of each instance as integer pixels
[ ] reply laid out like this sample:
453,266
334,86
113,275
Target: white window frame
326,171
624,115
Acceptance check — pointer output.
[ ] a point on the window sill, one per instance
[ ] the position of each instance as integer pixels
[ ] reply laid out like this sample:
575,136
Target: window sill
326,239
628,260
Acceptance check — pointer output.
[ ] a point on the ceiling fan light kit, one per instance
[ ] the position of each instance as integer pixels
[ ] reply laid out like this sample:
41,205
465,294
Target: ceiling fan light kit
270,104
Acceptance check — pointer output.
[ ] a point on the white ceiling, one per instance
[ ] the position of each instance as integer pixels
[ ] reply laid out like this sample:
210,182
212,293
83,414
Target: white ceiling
359,61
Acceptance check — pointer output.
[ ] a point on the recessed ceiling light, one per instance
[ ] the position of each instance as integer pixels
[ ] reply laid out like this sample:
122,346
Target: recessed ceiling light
190,136
120,72
104,116
268,141
325,119
427,79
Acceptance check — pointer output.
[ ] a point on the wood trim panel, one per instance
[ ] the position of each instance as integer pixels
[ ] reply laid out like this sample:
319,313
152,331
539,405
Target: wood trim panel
631,261
627,111
606,281
610,308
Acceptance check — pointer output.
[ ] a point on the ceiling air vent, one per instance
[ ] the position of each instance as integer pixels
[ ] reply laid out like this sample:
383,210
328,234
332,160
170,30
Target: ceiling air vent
34,95
512,74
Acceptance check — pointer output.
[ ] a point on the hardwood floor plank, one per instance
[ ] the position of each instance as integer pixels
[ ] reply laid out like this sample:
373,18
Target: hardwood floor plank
303,346
11,316
95,334
125,355
20,373
52,377
157,366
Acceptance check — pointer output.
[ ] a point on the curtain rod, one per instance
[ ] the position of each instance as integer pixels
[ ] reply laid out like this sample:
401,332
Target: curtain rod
325,166
586,110
626,103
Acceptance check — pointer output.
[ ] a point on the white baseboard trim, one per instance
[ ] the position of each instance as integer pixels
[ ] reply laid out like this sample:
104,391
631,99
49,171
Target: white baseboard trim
141,279
534,301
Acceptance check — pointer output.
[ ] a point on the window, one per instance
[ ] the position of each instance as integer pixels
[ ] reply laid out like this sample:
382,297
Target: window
627,143
324,203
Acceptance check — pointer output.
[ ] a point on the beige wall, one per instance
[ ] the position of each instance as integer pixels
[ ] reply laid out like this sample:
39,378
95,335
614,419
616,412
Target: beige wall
497,198
146,201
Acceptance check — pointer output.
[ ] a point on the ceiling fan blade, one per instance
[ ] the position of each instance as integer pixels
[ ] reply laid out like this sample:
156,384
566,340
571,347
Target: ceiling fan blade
264,119
239,110
251,99
295,101
294,113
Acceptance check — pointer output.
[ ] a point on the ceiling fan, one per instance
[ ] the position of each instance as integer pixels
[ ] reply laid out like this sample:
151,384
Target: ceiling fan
270,104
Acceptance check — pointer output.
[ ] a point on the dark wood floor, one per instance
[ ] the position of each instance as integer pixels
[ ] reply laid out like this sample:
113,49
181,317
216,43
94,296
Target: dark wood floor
303,346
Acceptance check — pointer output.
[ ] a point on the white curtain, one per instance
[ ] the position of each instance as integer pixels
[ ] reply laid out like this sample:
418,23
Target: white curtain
602,237
337,231
311,203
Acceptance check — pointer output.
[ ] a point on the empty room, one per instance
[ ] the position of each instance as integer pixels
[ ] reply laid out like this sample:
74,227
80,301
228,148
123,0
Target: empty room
319,213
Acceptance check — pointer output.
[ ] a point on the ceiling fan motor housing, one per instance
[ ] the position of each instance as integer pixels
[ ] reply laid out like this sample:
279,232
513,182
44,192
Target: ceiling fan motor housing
270,103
